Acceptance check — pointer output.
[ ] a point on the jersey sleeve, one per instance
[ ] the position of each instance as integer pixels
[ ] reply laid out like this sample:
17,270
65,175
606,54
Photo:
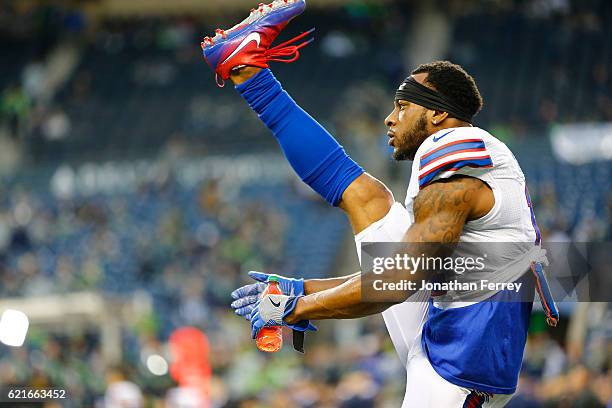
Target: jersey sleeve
446,157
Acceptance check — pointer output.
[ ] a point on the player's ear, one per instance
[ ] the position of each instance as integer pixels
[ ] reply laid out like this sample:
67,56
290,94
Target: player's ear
438,117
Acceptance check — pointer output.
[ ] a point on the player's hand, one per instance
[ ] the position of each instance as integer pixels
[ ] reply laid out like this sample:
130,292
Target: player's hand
271,311
246,296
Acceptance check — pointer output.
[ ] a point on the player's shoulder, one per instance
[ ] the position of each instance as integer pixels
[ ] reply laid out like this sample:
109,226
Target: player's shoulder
448,151
463,141
453,139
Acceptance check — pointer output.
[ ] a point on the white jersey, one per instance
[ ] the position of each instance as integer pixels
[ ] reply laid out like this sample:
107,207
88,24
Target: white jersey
473,152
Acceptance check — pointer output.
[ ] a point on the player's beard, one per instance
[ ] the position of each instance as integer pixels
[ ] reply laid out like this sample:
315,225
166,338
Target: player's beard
412,139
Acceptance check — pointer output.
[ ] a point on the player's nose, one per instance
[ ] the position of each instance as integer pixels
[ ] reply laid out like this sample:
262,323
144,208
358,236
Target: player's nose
389,121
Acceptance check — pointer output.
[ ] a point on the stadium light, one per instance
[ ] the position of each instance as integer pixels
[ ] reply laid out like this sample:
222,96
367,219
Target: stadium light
13,327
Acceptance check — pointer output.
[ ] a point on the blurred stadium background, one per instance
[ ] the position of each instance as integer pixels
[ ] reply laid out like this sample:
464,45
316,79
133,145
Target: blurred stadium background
135,195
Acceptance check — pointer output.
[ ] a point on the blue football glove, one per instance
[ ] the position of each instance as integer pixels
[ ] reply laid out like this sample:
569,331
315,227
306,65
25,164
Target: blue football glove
271,311
246,296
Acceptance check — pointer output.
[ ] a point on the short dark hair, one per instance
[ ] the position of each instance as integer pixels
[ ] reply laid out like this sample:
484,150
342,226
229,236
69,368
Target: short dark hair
452,81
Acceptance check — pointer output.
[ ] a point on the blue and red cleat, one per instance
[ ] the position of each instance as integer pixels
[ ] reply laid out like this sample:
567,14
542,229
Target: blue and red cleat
248,43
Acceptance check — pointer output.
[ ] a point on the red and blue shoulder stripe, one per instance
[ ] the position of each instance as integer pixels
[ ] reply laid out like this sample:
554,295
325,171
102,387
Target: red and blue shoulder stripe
450,157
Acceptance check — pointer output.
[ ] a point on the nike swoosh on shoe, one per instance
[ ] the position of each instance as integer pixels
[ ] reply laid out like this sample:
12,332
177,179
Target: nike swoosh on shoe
251,37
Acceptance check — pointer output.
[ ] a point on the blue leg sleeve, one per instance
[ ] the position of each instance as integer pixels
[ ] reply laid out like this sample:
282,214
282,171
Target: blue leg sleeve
313,153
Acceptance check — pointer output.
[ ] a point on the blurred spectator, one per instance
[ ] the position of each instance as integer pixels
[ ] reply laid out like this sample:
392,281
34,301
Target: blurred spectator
34,80
15,106
56,125
122,393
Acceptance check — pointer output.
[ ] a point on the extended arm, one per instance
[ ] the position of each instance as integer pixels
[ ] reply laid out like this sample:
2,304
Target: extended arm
441,211
318,285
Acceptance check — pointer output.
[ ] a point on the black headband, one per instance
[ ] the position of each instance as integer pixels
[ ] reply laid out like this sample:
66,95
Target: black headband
412,91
